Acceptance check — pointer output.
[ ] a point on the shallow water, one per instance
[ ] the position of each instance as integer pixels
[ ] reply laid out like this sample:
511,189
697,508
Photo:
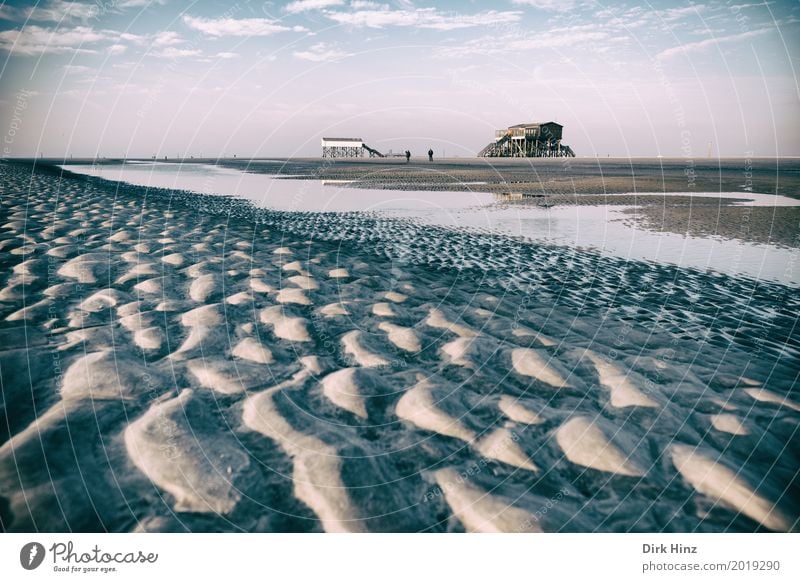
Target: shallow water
289,195
605,229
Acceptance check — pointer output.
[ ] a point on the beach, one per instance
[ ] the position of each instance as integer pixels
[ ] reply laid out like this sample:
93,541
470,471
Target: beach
175,361
669,195
615,182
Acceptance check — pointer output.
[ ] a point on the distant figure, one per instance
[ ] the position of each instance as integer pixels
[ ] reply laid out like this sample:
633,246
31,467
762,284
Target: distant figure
430,155
408,156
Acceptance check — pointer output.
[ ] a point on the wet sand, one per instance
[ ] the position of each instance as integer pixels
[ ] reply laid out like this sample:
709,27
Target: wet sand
776,226
590,182
177,362
559,176
579,181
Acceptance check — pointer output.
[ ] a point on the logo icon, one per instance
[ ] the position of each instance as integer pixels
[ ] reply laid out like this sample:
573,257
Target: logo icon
31,555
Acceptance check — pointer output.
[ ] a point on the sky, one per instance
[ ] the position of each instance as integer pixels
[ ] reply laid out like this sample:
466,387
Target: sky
212,78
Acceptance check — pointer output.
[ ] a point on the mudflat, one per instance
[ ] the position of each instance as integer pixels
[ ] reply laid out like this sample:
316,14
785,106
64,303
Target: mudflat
179,362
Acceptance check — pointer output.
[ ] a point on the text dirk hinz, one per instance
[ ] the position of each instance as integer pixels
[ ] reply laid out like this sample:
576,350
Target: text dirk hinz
671,549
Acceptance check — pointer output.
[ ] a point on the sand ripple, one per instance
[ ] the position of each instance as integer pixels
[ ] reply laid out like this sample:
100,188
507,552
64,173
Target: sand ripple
585,444
317,467
726,486
184,457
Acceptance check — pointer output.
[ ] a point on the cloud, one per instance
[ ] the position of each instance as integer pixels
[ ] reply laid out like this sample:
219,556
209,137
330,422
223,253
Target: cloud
137,3
134,38
238,27
670,14
554,39
53,11
709,42
361,4
8,12
33,40
60,11
172,52
306,5
77,69
226,55
321,53
430,18
167,38
576,38
65,11
622,18
158,39
552,5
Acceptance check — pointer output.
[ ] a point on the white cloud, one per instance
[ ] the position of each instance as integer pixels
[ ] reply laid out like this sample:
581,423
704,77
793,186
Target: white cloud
66,11
76,69
307,5
117,49
552,5
172,52
321,53
225,55
710,42
583,36
32,40
158,39
576,38
621,18
60,11
430,18
134,38
361,4
167,38
670,14
52,11
137,3
8,12
237,27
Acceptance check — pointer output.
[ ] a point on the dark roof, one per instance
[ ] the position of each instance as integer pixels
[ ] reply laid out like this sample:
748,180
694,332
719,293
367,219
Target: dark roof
535,124
343,138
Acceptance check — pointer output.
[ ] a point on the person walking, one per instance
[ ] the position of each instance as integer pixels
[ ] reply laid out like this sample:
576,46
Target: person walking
430,155
408,156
